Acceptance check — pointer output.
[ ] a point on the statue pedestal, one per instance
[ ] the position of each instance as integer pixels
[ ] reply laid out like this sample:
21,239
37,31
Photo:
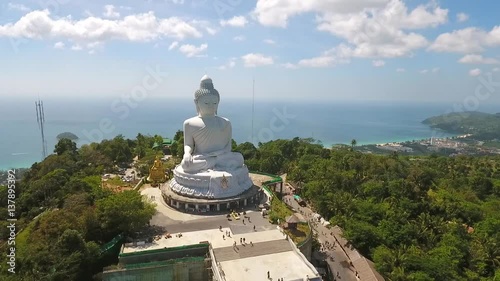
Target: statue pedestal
211,184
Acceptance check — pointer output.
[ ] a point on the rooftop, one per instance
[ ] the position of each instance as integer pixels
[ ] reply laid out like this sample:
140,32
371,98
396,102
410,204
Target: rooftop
265,244
268,247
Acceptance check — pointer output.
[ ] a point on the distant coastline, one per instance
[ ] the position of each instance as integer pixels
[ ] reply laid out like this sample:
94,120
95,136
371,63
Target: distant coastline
28,164
366,122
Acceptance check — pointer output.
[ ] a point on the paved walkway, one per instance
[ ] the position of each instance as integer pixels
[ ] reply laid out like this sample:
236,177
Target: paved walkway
246,251
340,263
345,261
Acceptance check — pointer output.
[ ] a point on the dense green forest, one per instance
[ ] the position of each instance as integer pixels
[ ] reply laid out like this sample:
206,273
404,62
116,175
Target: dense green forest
425,218
417,218
65,216
483,126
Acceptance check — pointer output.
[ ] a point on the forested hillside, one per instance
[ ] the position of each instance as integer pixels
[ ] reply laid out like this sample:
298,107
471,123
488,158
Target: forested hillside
66,216
425,218
417,218
483,126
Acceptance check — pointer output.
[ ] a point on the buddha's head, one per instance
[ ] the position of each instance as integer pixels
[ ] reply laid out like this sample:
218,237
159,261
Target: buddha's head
206,98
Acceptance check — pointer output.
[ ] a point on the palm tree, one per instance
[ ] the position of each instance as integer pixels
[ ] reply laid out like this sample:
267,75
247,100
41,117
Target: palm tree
353,143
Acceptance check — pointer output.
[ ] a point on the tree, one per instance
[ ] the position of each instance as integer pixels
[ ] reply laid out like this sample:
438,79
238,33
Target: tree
65,145
353,143
177,148
117,149
247,149
46,192
123,212
91,156
233,144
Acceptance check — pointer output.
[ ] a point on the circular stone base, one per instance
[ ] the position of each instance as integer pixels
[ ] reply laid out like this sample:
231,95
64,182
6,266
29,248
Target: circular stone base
211,184
250,197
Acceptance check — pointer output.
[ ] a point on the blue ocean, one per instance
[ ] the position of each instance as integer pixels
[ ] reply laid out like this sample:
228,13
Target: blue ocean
96,119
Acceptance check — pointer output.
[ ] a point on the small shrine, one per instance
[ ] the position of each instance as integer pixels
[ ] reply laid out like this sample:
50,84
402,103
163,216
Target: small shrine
292,221
157,172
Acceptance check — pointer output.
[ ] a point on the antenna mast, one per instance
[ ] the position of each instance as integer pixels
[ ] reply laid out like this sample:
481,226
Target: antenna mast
40,119
253,103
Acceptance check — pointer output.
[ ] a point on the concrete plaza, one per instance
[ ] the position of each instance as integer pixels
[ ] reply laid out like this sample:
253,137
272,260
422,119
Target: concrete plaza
265,248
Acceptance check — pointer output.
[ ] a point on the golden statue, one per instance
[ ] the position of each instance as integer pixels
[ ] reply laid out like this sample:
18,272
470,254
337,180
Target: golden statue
157,172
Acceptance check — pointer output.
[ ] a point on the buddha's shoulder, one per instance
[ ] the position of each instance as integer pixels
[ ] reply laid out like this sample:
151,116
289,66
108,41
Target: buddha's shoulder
223,119
198,121
192,119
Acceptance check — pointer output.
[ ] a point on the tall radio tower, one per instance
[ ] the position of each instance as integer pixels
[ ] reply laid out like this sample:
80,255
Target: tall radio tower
40,119
253,104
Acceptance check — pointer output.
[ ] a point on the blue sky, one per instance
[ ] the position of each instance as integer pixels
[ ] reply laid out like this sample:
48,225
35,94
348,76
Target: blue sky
382,50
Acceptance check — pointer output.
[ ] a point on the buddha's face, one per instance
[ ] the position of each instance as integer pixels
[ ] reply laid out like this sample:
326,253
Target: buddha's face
207,105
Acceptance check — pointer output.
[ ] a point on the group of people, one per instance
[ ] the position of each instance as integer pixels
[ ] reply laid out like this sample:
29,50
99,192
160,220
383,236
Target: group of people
227,233
327,246
242,242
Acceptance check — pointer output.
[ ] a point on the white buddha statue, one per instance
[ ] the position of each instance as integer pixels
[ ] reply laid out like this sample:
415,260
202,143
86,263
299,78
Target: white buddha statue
208,137
209,169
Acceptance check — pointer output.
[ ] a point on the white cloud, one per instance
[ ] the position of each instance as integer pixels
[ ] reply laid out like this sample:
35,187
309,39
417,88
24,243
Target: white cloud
192,51
137,28
173,45
237,21
328,58
378,63
475,72
425,71
467,40
400,70
270,42
239,38
372,28
321,61
210,30
461,17
278,12
290,65
110,12
59,45
17,7
254,59
478,59
496,69
90,46
230,64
